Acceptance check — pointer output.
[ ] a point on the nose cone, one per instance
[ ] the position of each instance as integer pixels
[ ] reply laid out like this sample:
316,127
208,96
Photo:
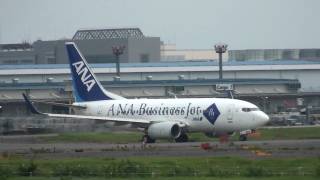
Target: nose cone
263,118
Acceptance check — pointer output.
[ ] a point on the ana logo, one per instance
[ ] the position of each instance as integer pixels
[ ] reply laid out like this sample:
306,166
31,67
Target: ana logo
212,113
85,75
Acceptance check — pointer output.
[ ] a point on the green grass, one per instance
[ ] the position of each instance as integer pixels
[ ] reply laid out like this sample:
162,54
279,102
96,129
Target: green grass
291,133
233,168
130,137
165,167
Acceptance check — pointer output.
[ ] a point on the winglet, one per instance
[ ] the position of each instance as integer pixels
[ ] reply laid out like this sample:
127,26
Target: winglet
33,109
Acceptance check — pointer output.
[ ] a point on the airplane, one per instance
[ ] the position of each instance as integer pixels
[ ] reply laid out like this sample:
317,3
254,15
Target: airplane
158,118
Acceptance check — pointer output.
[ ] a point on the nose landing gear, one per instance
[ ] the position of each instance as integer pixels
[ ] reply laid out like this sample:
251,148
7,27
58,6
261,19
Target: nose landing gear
243,137
244,134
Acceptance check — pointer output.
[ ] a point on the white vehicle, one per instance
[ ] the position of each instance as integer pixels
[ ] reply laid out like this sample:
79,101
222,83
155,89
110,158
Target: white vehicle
160,118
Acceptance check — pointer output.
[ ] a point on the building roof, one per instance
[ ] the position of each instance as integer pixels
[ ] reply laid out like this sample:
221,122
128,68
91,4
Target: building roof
113,33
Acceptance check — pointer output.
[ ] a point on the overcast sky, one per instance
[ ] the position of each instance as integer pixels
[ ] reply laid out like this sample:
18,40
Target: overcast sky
192,24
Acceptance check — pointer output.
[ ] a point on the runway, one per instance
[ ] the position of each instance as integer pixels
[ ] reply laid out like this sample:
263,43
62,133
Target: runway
29,146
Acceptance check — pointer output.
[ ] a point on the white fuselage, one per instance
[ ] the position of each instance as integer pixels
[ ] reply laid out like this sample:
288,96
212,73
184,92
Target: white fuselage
229,115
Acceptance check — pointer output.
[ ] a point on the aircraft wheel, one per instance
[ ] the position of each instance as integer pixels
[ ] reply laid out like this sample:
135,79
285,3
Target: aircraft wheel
182,138
147,139
242,138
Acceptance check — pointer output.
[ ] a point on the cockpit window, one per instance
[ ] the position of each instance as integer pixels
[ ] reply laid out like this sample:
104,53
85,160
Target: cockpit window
250,109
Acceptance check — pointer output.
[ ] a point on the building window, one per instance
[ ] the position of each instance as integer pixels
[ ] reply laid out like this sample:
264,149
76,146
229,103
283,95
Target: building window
144,58
26,61
101,59
10,62
60,109
51,60
175,90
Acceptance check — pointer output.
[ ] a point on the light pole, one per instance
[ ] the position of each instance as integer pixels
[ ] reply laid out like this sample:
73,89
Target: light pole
220,49
117,51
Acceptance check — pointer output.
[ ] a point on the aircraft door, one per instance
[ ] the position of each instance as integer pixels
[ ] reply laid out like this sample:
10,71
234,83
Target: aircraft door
230,116
230,112
100,110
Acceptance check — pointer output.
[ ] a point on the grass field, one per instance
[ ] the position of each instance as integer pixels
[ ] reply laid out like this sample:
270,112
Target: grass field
167,168
163,168
127,137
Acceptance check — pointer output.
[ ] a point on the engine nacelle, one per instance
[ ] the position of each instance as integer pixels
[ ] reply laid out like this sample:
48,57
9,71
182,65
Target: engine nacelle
164,130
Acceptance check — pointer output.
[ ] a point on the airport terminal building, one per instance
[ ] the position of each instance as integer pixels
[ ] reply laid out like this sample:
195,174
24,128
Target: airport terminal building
41,71
276,81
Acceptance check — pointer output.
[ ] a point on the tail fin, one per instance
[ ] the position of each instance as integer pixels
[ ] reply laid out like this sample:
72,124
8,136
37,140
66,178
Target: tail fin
86,87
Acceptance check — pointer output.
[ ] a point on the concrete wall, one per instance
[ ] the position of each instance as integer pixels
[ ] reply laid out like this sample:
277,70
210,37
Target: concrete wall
274,54
17,57
96,51
147,48
169,52
102,49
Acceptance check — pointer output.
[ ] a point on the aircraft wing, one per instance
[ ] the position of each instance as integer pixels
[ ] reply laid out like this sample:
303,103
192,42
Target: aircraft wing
139,122
99,118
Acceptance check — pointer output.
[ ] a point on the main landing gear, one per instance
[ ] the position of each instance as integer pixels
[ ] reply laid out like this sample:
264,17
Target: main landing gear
147,139
243,137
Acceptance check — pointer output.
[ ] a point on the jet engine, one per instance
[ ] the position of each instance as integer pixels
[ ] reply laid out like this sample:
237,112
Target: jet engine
164,130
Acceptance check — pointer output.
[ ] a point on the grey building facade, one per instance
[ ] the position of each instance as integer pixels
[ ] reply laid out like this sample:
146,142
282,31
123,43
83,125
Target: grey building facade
96,45
274,54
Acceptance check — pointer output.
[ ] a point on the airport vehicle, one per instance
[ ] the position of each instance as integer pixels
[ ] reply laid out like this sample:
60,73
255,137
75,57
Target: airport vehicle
159,118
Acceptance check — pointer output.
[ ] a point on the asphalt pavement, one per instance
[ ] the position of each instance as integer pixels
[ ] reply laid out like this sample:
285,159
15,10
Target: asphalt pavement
30,146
